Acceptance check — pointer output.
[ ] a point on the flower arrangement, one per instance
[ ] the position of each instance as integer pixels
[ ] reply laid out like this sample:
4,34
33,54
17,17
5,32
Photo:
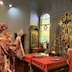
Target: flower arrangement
63,39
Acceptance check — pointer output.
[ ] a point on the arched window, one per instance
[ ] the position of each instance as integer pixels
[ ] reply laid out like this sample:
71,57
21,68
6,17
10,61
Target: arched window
44,28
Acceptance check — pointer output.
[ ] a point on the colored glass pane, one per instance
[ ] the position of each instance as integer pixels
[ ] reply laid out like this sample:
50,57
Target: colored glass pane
45,28
45,16
43,33
44,39
45,21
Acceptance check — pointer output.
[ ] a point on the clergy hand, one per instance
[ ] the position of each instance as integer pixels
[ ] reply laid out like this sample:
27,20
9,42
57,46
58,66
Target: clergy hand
20,33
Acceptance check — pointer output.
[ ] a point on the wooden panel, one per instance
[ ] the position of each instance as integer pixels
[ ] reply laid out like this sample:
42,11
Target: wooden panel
59,68
63,69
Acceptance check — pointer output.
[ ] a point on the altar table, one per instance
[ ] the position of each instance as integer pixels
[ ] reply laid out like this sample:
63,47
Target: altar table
45,63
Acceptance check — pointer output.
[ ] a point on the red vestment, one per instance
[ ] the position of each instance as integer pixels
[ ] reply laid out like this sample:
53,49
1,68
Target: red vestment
70,61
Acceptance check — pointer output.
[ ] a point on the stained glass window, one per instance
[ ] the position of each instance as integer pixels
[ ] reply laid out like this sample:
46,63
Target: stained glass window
44,28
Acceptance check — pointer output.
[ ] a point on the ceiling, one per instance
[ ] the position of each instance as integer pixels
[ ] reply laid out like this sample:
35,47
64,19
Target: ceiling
38,3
